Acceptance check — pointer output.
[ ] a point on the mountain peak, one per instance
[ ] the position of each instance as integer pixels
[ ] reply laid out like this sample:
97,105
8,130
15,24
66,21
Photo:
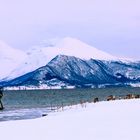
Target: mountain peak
10,58
74,47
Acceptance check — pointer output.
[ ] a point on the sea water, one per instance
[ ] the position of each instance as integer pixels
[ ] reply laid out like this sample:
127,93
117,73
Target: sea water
29,104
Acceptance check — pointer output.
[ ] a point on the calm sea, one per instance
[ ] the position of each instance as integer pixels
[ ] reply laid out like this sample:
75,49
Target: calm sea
33,103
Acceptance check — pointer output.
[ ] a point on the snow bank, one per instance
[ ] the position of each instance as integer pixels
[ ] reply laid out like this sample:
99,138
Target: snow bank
115,120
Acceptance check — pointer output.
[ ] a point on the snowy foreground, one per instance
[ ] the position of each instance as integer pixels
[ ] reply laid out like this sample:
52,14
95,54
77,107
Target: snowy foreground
114,120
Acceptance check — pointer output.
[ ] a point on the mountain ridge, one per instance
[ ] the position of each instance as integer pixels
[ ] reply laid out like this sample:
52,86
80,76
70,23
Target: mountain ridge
72,71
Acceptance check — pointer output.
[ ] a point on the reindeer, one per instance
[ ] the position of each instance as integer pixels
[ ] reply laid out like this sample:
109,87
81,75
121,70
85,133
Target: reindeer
96,100
137,96
111,97
129,96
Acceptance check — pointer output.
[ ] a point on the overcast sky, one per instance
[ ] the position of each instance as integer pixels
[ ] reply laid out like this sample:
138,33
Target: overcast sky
110,25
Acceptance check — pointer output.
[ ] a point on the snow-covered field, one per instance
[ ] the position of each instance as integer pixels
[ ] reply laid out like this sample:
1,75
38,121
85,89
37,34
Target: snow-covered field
115,120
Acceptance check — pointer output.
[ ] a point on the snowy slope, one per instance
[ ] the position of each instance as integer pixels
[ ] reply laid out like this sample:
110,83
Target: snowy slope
10,58
74,47
116,120
40,55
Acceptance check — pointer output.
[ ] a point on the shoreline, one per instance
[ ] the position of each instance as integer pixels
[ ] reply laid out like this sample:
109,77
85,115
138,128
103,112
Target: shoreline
45,111
101,121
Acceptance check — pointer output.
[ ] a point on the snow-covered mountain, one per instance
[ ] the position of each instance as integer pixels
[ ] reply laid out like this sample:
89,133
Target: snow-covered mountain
65,62
40,55
10,58
72,71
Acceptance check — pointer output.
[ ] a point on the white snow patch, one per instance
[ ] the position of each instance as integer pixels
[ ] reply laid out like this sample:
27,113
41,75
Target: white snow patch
42,86
135,84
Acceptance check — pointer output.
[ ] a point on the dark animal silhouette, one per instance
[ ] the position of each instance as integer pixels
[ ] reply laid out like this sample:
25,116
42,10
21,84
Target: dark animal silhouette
129,96
111,97
96,100
137,96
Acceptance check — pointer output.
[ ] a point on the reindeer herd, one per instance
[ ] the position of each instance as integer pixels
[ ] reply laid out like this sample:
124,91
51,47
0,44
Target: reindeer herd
94,100
113,97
